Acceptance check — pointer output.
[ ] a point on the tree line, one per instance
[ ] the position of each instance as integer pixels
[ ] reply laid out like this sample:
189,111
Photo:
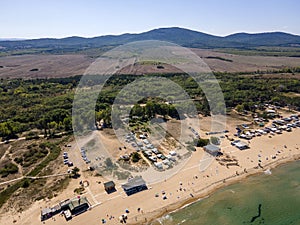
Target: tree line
46,104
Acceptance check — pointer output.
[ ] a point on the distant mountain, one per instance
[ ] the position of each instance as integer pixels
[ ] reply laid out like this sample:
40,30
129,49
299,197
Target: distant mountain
265,39
12,39
181,36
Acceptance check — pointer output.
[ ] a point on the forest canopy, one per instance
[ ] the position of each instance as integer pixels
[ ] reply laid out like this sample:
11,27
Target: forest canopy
45,105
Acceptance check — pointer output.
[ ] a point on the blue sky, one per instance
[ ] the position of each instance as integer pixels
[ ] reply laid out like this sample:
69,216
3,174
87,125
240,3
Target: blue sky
88,18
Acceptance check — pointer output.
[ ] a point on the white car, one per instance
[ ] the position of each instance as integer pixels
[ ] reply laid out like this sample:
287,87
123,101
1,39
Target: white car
154,150
153,158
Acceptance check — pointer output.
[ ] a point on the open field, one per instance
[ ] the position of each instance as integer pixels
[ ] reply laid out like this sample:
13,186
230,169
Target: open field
48,66
264,51
244,63
43,66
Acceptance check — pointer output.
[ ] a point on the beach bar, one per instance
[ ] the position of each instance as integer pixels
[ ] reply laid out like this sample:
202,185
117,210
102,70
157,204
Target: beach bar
46,214
79,205
69,208
134,185
212,149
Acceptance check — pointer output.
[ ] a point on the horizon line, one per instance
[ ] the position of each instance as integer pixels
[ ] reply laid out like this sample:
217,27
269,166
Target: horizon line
155,28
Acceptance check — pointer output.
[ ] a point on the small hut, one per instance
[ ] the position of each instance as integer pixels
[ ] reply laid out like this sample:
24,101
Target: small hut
78,205
46,214
212,149
134,185
110,187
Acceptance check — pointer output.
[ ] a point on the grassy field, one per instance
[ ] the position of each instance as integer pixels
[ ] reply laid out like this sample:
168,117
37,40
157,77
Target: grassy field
43,66
219,60
264,51
235,62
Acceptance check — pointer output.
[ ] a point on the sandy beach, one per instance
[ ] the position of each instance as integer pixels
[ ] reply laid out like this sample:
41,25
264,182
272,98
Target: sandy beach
150,113
186,186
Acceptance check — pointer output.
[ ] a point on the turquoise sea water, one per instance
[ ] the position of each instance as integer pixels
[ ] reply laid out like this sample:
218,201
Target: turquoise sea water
261,199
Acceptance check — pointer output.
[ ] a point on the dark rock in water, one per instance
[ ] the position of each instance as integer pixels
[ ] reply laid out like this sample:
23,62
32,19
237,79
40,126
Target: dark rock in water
259,214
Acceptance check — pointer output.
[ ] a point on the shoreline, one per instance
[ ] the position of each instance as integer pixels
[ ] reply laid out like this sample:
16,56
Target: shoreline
189,185
209,190
205,192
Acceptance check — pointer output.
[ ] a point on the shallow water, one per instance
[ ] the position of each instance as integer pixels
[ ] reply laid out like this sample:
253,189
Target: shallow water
262,199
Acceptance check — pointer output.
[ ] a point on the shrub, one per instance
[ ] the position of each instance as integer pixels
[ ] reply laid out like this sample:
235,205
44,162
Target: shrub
108,163
201,142
215,140
135,157
26,183
9,168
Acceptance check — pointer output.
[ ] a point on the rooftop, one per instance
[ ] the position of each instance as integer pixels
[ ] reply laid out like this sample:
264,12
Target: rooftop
75,202
212,148
109,184
134,182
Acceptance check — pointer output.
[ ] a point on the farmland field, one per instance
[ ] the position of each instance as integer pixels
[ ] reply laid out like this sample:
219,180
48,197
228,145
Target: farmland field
50,66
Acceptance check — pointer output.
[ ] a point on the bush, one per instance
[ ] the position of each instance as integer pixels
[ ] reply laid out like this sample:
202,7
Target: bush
75,171
26,183
191,148
9,168
121,175
32,135
215,140
108,163
79,190
135,157
18,160
201,142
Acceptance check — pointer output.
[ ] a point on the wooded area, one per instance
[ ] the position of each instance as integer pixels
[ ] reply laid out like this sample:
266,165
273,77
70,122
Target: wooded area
44,106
